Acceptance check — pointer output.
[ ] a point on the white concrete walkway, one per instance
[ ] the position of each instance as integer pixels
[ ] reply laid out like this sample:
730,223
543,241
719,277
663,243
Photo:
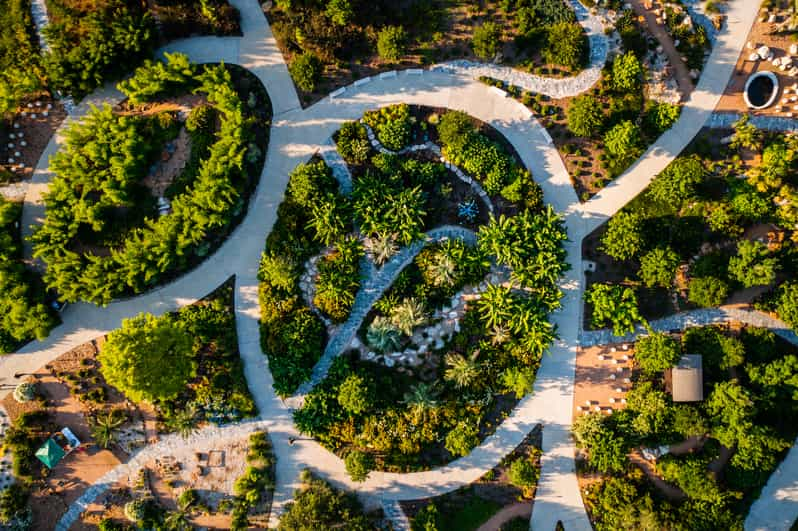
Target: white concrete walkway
295,136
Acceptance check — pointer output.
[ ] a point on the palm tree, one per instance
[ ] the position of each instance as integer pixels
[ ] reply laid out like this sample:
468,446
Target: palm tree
461,371
408,314
421,399
104,428
183,421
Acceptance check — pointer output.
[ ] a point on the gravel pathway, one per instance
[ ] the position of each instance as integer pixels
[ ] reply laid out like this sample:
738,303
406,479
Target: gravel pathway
724,120
552,87
690,319
372,287
394,513
337,164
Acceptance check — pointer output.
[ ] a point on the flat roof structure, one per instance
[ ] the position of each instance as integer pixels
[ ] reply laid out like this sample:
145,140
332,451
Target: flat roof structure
687,379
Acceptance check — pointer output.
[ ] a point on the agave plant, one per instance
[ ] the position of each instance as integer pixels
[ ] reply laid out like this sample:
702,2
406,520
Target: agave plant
442,270
467,210
382,335
25,392
408,314
381,247
499,335
104,428
461,371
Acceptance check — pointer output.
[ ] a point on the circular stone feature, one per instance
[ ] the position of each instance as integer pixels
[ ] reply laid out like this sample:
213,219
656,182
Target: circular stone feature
761,90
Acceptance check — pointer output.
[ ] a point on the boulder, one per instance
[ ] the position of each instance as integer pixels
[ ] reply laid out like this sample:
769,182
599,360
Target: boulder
763,52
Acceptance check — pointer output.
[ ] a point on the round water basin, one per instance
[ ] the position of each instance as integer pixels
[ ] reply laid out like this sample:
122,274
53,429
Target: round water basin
761,90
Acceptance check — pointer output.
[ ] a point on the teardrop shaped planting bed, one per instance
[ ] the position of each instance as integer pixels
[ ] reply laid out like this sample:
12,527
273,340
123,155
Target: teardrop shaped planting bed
146,190
405,292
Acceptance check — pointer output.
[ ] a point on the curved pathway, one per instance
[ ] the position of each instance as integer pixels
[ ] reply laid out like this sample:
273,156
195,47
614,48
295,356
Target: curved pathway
371,289
296,135
599,46
777,505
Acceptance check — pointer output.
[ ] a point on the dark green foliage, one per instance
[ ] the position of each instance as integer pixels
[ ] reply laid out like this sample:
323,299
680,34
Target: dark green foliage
708,292
566,45
20,70
391,125
91,47
13,503
623,238
339,280
391,43
788,304
615,306
606,445
659,117
623,145
158,78
250,487
627,73
463,438
384,207
306,71
677,183
353,143
25,315
754,265
319,506
585,117
657,352
658,267
358,465
487,40
97,178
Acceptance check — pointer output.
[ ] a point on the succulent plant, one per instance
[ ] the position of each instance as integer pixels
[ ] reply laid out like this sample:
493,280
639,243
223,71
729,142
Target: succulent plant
381,248
467,210
25,392
408,314
135,510
382,335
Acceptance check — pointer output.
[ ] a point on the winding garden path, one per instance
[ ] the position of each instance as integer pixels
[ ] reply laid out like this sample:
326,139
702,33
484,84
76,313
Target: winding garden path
372,287
296,135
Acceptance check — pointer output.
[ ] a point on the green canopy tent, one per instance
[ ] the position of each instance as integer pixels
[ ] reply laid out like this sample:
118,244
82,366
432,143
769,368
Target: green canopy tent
50,453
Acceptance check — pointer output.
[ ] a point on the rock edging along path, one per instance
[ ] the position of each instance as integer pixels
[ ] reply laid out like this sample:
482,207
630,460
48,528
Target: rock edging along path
565,87
777,505
371,289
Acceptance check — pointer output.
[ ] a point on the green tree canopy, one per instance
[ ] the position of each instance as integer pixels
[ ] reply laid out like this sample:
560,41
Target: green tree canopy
658,267
317,505
566,45
657,352
391,43
487,40
585,117
623,239
149,358
613,305
627,73
678,181
754,265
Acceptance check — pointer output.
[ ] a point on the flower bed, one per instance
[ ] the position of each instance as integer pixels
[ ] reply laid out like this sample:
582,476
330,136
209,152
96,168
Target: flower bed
430,304
103,236
327,46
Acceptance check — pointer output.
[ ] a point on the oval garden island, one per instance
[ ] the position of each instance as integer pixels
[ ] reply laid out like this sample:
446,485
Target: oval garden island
405,291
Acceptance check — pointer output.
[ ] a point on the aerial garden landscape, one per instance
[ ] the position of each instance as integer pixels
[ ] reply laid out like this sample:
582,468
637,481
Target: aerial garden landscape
429,265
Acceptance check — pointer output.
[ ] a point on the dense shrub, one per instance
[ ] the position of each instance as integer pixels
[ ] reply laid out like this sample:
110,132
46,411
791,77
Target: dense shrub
391,43
787,307
95,44
158,78
358,465
391,124
657,352
353,143
487,40
20,70
319,506
585,117
523,473
462,439
708,292
623,145
23,313
566,45
306,70
678,182
613,305
659,117
623,238
627,73
658,267
98,176
753,265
